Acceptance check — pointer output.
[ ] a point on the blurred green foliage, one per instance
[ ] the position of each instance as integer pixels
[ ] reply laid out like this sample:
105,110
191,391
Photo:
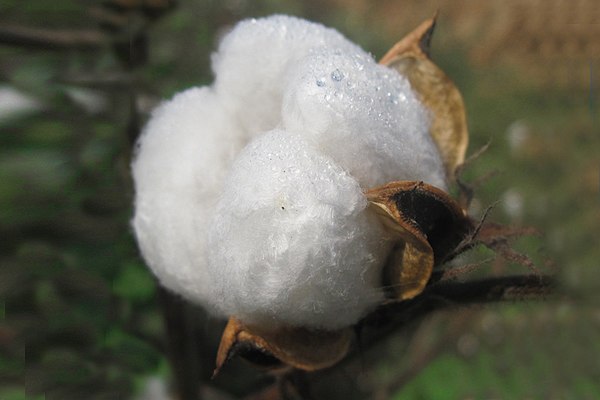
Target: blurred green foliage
80,316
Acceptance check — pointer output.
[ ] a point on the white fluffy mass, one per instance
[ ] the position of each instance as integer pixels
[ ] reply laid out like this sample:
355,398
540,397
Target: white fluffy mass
249,193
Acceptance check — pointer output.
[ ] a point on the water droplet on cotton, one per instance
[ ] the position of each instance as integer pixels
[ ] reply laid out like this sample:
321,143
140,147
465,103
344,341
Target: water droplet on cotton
321,82
337,75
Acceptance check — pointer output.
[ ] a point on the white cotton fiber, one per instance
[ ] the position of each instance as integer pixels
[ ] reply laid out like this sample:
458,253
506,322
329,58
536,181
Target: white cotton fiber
249,193
254,62
292,241
184,154
365,116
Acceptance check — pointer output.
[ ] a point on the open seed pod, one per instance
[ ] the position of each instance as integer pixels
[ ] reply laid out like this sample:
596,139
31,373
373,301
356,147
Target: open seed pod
427,223
410,57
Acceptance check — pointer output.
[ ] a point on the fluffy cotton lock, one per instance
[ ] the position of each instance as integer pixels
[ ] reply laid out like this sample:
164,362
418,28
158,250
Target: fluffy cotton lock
249,193
291,239
254,63
364,115
179,170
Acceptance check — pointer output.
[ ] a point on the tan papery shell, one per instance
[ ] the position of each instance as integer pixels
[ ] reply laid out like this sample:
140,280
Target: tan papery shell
410,57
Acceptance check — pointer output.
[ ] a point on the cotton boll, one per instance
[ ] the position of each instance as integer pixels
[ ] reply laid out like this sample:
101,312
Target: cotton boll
364,115
278,232
253,62
292,241
183,156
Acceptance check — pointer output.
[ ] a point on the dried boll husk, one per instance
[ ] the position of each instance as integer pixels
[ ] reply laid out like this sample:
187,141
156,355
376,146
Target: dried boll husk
429,225
410,57
301,348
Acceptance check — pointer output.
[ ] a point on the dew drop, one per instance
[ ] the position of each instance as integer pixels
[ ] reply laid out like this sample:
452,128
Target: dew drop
321,82
337,75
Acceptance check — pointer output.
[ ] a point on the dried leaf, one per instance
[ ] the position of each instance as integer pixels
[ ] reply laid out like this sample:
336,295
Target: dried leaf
429,223
410,57
495,237
300,348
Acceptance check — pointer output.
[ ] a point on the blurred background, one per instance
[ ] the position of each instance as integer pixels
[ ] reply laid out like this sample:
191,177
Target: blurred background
82,318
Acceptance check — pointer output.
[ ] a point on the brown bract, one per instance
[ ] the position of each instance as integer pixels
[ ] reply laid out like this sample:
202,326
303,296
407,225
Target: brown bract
301,348
410,57
428,224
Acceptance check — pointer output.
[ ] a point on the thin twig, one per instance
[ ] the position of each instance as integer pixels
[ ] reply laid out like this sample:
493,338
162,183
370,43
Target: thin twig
421,353
25,36
445,294
467,190
182,344
108,81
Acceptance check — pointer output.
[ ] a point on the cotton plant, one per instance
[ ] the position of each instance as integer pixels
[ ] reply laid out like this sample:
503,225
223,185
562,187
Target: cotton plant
302,189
